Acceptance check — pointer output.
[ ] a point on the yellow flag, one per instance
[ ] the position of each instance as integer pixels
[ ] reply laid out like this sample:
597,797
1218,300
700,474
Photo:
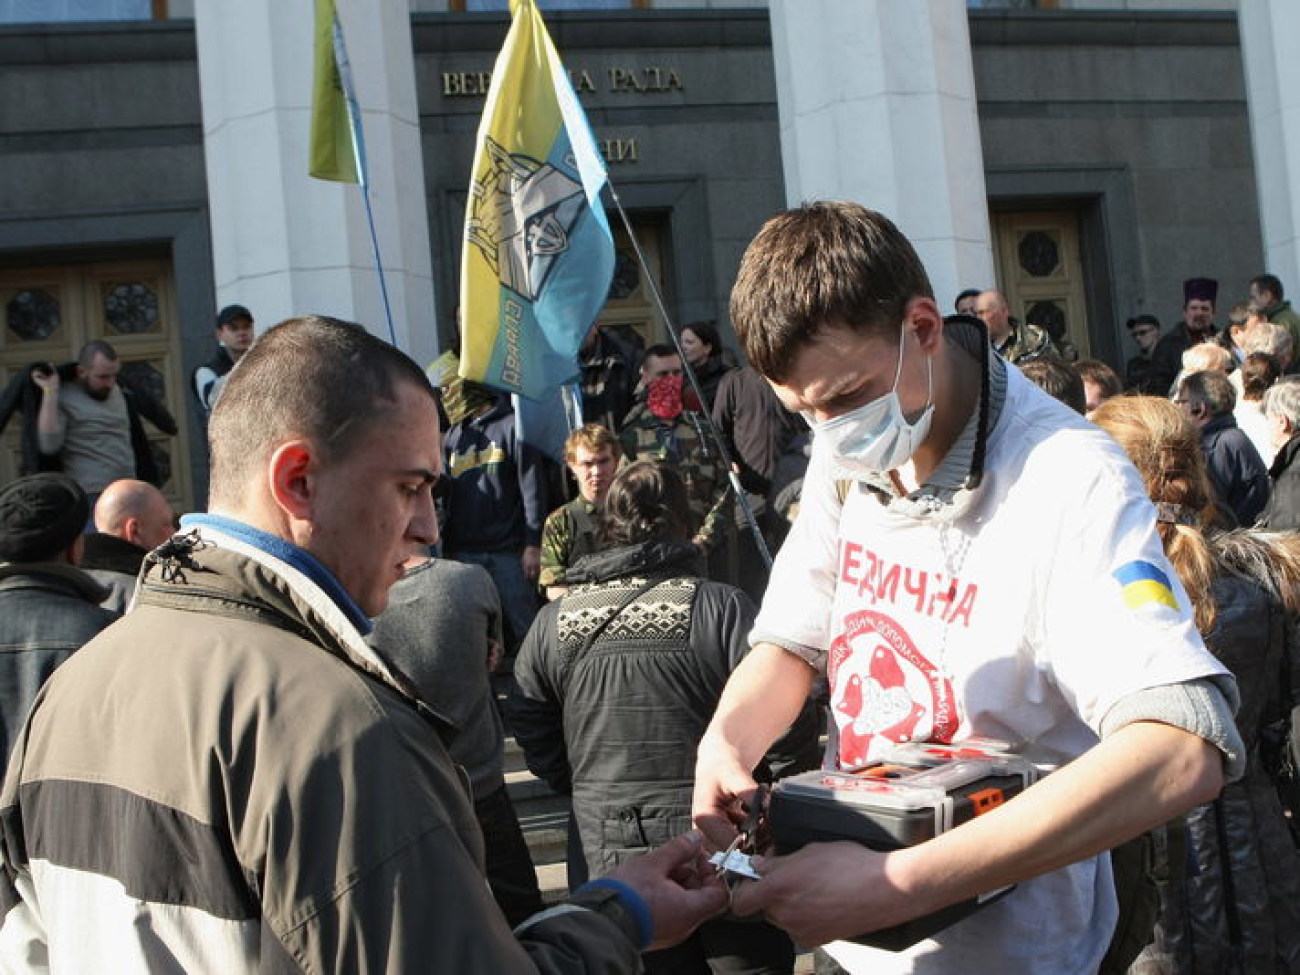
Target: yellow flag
334,141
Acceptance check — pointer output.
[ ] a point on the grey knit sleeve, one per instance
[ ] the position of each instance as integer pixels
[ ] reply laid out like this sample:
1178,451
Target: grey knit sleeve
1203,707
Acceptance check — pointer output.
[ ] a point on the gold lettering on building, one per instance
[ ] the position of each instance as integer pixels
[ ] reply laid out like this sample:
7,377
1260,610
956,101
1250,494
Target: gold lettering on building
618,151
465,83
651,80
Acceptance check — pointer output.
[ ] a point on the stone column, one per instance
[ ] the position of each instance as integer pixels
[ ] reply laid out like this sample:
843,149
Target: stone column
877,105
1268,53
283,242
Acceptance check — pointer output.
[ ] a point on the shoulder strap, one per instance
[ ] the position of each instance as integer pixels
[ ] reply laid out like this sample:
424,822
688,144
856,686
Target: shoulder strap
569,660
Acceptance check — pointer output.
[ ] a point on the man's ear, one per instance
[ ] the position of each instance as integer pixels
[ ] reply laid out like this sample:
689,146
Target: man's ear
131,531
292,470
925,319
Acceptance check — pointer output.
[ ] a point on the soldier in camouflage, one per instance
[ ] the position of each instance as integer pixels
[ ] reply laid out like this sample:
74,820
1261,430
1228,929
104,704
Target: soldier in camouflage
592,453
664,428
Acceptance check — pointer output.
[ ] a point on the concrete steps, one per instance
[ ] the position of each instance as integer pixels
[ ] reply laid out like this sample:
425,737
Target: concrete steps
544,818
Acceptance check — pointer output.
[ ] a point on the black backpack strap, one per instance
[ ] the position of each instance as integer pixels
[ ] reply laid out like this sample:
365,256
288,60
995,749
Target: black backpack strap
571,659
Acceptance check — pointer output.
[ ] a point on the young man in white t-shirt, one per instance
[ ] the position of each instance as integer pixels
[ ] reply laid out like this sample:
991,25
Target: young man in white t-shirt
971,558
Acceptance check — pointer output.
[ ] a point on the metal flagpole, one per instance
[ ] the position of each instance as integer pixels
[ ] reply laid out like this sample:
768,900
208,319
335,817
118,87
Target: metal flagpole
708,424
359,151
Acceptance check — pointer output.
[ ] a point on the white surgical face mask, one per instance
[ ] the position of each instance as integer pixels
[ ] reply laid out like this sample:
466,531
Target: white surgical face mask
876,437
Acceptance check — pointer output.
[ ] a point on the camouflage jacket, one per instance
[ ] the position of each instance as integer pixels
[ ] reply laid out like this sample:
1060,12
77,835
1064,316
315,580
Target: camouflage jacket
683,445
569,534
1027,342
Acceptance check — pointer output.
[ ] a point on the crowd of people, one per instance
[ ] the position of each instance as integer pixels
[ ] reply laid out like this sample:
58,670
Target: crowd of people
1235,384
269,736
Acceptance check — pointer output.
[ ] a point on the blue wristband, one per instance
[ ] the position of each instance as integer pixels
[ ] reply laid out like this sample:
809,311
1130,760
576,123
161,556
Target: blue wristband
632,901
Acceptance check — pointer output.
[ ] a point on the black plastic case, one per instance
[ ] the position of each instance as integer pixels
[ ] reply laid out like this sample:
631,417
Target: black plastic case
917,792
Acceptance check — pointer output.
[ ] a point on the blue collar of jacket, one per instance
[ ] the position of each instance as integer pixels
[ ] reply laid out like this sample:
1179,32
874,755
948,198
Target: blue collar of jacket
290,554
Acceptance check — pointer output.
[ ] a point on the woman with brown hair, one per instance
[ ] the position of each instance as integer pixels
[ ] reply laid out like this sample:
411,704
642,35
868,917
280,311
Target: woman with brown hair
1238,908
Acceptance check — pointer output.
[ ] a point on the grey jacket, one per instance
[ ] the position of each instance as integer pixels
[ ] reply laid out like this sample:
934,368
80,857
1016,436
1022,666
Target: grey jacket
436,629
229,780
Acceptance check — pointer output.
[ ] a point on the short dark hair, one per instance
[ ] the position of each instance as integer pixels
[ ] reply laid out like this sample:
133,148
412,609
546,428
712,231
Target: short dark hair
1270,283
1101,375
95,347
646,501
660,350
1058,380
706,332
968,293
1211,388
825,263
320,378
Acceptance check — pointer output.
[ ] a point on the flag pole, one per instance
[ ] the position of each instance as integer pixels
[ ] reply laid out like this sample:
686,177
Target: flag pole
336,114
710,429
379,264
363,175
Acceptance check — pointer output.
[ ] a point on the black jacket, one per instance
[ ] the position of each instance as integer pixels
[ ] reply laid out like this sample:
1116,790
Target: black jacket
47,611
1283,511
709,376
1236,470
22,395
1237,912
1167,358
1140,377
114,563
220,364
758,431
614,687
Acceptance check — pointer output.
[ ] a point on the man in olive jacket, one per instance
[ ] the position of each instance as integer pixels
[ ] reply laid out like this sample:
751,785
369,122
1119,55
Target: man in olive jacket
230,780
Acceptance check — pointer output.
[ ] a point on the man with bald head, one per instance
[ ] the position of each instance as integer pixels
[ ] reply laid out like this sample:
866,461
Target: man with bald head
131,519
1015,341
262,790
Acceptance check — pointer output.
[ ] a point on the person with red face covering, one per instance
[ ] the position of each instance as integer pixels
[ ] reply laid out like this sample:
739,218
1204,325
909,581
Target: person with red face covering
666,426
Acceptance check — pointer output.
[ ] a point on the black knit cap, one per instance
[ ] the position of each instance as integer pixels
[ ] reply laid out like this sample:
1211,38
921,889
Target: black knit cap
40,516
